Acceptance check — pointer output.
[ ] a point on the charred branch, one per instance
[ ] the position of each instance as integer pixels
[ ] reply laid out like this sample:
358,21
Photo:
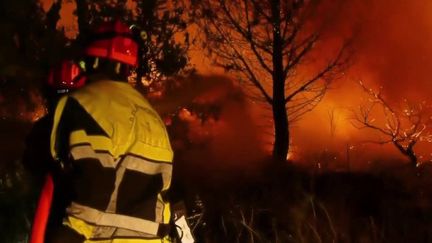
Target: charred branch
402,128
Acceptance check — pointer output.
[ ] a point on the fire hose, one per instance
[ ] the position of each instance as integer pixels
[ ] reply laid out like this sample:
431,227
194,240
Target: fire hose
40,220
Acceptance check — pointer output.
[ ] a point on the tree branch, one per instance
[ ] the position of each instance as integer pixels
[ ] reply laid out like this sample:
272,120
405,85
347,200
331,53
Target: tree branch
294,57
246,33
249,71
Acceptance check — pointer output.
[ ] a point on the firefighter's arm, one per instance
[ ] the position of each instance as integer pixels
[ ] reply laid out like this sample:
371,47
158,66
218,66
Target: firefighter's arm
59,141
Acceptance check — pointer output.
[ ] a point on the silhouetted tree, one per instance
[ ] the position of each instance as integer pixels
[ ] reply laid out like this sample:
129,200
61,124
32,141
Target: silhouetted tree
404,127
266,43
331,114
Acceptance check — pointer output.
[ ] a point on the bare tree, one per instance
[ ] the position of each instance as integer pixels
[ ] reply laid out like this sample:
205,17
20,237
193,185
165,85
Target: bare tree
403,127
265,43
332,120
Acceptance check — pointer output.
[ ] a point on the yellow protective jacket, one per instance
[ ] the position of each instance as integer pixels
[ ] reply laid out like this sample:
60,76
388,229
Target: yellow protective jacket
121,157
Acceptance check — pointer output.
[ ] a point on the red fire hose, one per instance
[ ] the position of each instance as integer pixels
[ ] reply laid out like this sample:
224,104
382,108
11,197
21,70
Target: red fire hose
42,212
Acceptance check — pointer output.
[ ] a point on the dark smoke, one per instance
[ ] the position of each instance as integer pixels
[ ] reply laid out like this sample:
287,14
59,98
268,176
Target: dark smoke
213,126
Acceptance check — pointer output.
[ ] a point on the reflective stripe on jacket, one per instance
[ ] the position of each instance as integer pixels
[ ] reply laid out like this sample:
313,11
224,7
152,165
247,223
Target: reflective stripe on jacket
121,158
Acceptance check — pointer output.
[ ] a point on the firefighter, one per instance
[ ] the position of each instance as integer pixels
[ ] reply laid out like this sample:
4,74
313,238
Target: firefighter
64,77
117,147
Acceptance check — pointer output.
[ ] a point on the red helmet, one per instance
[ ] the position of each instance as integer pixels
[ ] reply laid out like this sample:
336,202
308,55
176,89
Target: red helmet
66,76
114,41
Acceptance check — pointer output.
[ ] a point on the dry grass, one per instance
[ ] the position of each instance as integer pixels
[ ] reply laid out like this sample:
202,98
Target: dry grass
290,206
281,205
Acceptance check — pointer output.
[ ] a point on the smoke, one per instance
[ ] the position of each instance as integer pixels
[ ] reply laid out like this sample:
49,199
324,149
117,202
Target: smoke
392,44
212,125
392,52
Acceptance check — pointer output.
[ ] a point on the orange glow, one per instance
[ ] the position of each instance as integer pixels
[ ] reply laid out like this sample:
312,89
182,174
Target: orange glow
392,51
392,48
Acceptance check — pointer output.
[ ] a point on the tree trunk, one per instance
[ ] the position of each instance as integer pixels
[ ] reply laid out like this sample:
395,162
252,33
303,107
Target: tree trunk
83,18
53,15
408,152
412,156
281,142
280,116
